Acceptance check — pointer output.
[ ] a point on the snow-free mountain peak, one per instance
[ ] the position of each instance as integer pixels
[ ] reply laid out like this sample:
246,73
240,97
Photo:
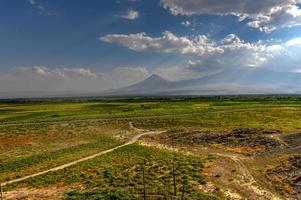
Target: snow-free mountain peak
154,78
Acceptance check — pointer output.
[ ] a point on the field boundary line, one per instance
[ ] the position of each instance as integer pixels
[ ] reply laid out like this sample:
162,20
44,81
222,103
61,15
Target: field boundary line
143,117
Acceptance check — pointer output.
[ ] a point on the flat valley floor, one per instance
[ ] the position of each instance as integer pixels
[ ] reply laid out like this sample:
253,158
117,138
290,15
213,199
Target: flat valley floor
229,147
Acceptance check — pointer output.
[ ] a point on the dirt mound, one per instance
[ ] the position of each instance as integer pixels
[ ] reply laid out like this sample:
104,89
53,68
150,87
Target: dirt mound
247,140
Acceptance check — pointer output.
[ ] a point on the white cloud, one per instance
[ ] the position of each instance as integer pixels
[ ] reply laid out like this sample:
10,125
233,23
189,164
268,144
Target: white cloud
205,67
131,15
186,23
231,38
37,71
231,50
58,73
207,56
266,15
167,43
40,8
294,42
75,73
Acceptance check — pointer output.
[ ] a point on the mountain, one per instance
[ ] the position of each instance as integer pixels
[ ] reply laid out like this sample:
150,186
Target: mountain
151,85
250,76
230,81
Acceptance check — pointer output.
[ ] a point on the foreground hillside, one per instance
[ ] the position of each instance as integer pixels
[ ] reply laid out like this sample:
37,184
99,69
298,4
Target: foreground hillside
195,148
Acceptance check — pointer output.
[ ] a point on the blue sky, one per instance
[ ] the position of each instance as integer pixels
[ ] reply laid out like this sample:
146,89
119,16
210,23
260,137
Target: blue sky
69,36
83,38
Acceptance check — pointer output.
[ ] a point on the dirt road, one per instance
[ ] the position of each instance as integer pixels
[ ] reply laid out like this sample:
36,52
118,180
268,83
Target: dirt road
250,181
131,141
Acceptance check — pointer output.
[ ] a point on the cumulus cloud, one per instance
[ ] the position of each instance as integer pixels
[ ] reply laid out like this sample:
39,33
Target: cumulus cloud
266,15
167,43
205,67
131,15
289,59
206,56
231,51
281,56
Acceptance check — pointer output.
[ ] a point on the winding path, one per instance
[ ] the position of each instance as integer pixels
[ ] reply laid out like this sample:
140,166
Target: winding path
251,182
131,141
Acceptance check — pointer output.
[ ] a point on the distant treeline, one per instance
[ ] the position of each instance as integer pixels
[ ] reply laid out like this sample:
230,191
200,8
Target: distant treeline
138,99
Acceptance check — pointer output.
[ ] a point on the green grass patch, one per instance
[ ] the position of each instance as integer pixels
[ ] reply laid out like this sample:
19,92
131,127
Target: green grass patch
122,170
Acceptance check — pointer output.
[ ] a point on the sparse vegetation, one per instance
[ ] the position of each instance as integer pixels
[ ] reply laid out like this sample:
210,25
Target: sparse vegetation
122,171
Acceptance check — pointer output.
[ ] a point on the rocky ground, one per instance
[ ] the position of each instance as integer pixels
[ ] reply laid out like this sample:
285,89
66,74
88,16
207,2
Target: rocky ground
287,176
247,141
249,163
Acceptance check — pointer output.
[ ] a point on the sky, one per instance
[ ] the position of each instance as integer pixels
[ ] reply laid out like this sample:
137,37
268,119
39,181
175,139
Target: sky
89,46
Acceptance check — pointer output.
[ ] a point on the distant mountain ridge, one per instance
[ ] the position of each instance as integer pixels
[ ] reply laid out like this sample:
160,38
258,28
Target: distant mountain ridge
249,76
154,82
231,81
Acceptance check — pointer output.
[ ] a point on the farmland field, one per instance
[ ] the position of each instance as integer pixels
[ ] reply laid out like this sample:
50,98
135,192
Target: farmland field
233,147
